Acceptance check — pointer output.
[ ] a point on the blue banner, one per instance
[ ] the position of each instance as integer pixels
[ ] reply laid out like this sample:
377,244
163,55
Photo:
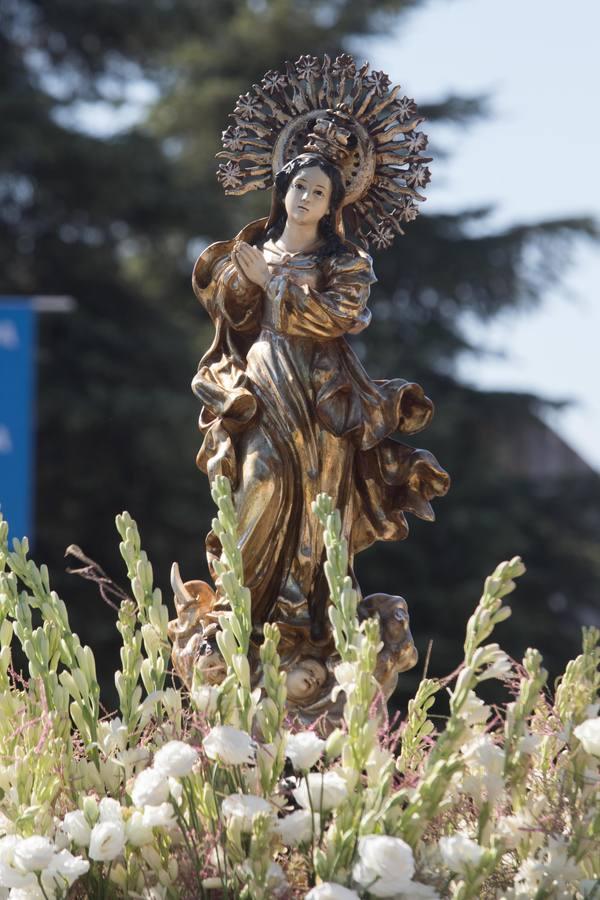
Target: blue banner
17,379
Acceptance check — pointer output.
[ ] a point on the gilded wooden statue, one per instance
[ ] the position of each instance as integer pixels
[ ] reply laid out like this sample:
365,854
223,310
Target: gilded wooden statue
288,410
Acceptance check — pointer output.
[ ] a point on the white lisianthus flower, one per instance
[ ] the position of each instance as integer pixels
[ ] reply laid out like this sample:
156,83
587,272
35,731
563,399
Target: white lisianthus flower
298,827
321,791
304,749
76,826
150,788
385,865
329,890
67,868
460,852
33,854
161,816
107,841
138,832
485,768
229,745
175,789
244,807
175,759
110,810
589,735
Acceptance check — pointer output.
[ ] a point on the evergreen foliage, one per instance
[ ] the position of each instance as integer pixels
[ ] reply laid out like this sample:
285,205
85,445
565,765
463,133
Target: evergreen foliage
116,221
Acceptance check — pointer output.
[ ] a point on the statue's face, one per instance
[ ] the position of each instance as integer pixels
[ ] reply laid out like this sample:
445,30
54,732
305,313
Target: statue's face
305,681
308,196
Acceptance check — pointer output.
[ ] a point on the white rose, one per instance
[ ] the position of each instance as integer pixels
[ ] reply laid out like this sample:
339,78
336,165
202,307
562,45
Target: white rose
244,807
304,749
331,891
150,788
33,854
107,841
298,827
76,826
175,759
137,833
589,735
385,864
110,810
460,852
229,745
161,816
67,867
14,879
321,791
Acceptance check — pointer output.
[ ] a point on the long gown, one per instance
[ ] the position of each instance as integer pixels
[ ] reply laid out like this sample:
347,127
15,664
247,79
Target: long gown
289,412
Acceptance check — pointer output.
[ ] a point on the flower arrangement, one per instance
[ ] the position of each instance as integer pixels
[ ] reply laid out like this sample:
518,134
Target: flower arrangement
214,794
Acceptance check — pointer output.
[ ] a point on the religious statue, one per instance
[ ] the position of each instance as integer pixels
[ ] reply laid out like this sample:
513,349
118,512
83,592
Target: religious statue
288,410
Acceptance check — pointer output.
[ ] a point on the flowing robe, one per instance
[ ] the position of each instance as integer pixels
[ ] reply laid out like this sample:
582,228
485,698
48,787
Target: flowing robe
289,412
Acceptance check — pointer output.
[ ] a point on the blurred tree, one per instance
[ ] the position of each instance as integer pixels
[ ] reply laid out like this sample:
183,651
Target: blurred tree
116,218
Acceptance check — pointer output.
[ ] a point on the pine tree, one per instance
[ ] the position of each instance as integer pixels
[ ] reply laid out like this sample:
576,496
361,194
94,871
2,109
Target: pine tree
116,222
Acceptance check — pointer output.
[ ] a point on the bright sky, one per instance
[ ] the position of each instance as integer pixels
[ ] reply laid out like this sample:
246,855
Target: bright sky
537,156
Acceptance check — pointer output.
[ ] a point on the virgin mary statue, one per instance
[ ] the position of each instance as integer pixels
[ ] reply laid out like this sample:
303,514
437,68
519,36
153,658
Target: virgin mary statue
288,410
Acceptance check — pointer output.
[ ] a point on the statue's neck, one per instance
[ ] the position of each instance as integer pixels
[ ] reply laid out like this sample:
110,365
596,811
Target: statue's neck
298,238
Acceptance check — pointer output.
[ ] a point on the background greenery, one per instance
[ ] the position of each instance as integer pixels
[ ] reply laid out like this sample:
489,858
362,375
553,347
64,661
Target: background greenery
117,221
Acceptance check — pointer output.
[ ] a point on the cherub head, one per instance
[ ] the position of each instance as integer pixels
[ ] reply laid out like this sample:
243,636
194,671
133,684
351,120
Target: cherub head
306,680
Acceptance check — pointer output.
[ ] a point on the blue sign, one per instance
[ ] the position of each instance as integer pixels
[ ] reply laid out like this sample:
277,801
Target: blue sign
17,374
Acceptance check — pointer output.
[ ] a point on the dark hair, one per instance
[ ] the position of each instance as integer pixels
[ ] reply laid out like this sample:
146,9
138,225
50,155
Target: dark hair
332,242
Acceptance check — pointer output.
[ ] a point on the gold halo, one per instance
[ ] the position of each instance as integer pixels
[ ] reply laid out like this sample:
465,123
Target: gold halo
383,173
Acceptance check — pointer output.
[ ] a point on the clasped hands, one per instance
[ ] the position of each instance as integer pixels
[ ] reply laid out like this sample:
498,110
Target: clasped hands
250,263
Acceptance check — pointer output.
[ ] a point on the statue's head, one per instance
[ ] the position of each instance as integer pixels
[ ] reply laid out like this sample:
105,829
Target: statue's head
306,680
311,181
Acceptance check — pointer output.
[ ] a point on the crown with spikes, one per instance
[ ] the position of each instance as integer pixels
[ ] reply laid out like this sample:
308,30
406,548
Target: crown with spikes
347,115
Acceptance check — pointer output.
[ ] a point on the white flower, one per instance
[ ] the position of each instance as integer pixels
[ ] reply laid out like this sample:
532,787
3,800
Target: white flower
33,854
110,810
485,768
175,759
298,827
346,674
150,788
160,816
304,749
175,789
331,891
589,735
66,867
321,791
229,745
459,852
474,711
417,890
205,699
385,864
138,832
498,663
112,736
77,828
14,879
244,807
107,841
